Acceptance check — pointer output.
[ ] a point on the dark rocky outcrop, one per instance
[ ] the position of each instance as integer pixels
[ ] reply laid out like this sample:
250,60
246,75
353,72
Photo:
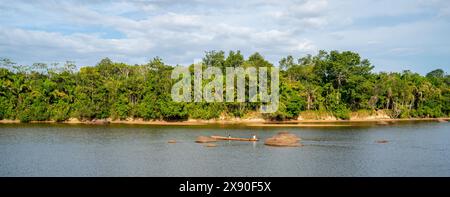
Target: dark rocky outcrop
99,121
442,120
283,139
382,141
382,123
205,139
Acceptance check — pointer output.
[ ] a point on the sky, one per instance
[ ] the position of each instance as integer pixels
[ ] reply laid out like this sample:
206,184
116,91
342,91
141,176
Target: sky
394,35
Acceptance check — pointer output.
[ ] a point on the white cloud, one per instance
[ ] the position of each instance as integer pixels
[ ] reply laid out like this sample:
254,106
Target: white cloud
179,32
312,8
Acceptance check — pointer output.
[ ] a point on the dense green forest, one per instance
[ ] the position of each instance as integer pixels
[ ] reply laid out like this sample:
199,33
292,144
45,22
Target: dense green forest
333,82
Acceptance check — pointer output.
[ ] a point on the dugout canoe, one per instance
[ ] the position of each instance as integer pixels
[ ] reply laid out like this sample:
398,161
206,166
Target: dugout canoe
235,138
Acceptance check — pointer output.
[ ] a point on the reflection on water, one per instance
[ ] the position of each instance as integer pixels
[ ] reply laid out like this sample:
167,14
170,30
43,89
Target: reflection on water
413,149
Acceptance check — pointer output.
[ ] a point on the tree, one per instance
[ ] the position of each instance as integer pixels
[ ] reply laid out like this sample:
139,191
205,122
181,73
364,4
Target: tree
333,82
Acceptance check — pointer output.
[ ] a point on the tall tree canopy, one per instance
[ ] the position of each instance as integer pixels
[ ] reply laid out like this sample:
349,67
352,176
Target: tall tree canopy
333,82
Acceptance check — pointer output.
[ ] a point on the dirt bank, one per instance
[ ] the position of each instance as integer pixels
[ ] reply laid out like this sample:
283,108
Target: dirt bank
246,122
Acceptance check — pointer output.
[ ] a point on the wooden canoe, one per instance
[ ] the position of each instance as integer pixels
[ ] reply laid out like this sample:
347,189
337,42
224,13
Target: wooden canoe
234,138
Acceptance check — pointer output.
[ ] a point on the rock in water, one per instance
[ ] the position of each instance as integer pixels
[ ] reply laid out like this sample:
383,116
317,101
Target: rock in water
382,141
382,123
99,121
283,139
211,145
205,139
172,141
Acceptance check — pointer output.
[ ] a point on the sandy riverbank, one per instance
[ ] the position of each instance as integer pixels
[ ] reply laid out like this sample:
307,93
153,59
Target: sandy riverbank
248,122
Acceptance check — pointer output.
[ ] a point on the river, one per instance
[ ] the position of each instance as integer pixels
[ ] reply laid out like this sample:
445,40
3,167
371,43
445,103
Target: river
413,149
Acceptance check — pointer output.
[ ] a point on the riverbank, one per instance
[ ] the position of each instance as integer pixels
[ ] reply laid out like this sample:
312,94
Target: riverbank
248,122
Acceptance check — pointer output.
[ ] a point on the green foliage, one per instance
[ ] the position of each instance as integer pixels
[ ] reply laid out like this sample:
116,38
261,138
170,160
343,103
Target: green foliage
6,110
205,110
330,83
60,111
341,112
